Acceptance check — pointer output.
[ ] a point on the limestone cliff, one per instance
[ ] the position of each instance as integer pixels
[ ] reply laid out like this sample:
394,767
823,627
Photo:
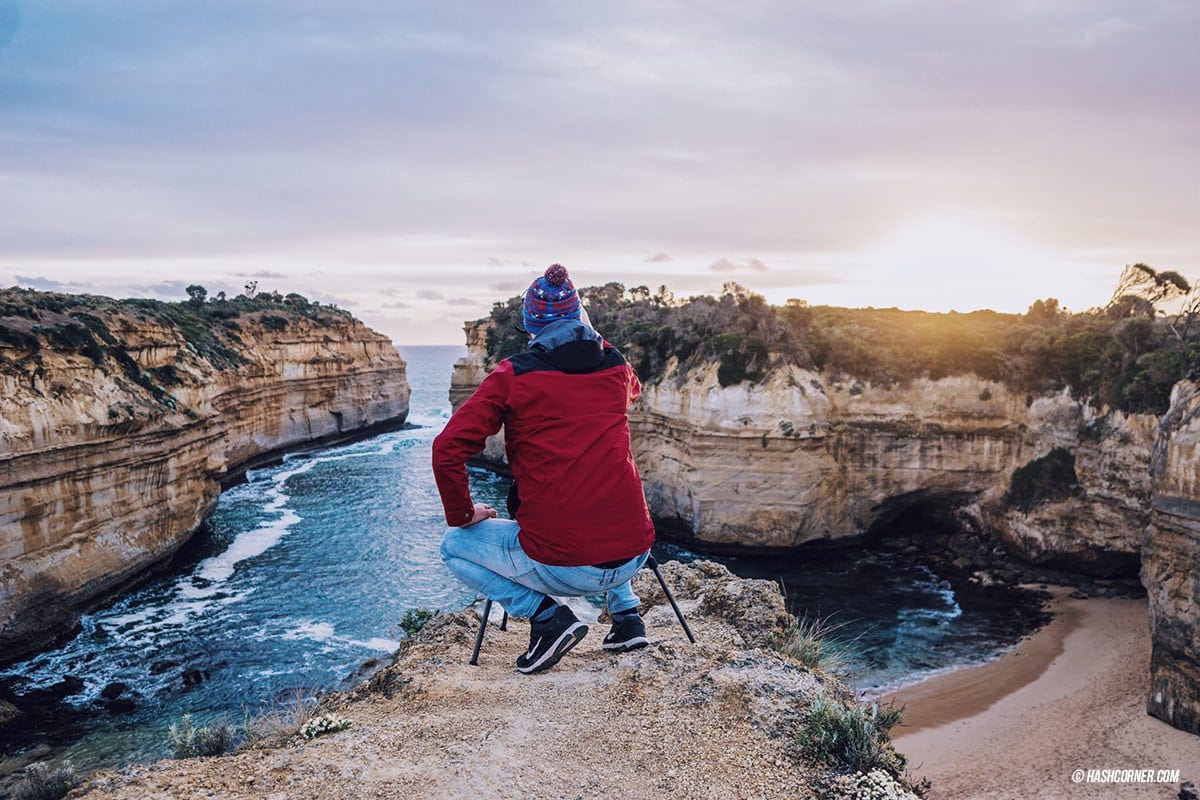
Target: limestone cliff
1171,564
803,456
119,422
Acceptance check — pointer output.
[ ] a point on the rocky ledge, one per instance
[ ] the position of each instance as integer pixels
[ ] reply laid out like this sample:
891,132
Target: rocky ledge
712,720
120,421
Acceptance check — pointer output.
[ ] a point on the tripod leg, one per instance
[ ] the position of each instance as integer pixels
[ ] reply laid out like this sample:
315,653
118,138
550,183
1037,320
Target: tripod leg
504,621
653,564
487,612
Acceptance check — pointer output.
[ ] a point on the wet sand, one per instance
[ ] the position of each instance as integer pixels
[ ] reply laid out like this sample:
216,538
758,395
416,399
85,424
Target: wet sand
1071,696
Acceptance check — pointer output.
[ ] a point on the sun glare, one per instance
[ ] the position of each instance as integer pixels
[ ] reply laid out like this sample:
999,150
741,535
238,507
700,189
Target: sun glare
944,264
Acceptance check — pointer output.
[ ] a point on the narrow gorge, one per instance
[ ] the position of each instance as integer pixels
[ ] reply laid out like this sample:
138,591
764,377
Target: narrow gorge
802,457
120,421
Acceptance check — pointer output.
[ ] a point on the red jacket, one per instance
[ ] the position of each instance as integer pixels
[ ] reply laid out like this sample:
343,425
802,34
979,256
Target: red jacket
563,407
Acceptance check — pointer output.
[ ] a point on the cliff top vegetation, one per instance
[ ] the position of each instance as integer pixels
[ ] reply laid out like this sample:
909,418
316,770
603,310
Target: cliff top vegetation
1126,355
33,323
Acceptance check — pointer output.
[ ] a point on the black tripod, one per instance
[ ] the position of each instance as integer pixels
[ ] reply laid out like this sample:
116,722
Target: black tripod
651,562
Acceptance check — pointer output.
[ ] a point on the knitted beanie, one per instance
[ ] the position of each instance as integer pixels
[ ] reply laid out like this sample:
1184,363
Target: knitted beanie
549,298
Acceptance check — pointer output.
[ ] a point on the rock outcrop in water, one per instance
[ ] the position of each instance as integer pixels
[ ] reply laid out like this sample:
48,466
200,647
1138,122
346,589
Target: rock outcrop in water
119,422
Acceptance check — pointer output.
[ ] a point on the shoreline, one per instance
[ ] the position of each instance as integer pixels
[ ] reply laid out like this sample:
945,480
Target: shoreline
1070,696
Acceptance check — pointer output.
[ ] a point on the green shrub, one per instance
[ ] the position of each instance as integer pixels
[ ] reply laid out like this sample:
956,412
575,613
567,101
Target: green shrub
1044,480
415,619
97,326
740,358
167,375
40,782
19,339
273,323
77,338
189,741
851,737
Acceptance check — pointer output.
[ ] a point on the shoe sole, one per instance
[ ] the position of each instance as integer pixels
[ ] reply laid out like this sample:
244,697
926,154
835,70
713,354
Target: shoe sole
626,646
566,640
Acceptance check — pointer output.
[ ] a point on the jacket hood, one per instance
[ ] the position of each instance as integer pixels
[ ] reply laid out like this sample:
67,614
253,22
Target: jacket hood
570,345
562,331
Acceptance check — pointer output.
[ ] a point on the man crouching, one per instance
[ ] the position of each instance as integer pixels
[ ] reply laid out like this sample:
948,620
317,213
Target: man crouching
582,526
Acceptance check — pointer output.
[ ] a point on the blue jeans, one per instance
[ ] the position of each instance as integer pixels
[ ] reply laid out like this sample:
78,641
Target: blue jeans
488,557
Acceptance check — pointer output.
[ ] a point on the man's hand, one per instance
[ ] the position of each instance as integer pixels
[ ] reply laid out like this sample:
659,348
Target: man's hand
482,511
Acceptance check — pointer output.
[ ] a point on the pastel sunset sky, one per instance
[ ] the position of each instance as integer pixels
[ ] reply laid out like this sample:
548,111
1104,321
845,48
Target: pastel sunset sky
415,162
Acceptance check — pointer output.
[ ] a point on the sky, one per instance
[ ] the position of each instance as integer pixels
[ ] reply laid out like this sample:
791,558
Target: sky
416,162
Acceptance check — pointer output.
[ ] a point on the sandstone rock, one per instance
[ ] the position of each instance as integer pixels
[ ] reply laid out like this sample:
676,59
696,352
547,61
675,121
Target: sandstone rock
1171,564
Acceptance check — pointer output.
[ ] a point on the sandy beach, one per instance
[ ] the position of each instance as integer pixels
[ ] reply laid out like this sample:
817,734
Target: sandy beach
1070,697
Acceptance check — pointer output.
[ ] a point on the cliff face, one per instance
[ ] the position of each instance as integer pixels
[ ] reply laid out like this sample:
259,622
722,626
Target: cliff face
1171,564
109,462
805,456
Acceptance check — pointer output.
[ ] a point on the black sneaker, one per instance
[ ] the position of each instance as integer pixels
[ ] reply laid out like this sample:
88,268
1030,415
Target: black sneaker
628,633
550,640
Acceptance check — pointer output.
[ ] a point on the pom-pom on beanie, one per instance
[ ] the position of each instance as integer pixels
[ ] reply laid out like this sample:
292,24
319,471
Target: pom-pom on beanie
549,298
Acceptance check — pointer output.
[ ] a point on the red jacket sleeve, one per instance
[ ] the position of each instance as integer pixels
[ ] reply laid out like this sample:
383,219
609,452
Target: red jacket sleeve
465,435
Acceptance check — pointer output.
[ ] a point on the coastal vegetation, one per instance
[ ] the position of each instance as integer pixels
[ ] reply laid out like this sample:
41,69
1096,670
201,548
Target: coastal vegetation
42,782
415,619
189,740
853,741
1126,355
814,642
211,328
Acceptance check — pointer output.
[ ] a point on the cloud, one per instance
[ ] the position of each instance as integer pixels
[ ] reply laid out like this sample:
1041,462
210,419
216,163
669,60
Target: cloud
726,265
429,294
508,286
169,290
333,300
397,304
48,285
507,137
463,301
263,273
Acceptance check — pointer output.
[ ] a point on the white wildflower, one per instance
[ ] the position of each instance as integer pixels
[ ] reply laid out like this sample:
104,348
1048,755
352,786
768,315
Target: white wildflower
318,726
